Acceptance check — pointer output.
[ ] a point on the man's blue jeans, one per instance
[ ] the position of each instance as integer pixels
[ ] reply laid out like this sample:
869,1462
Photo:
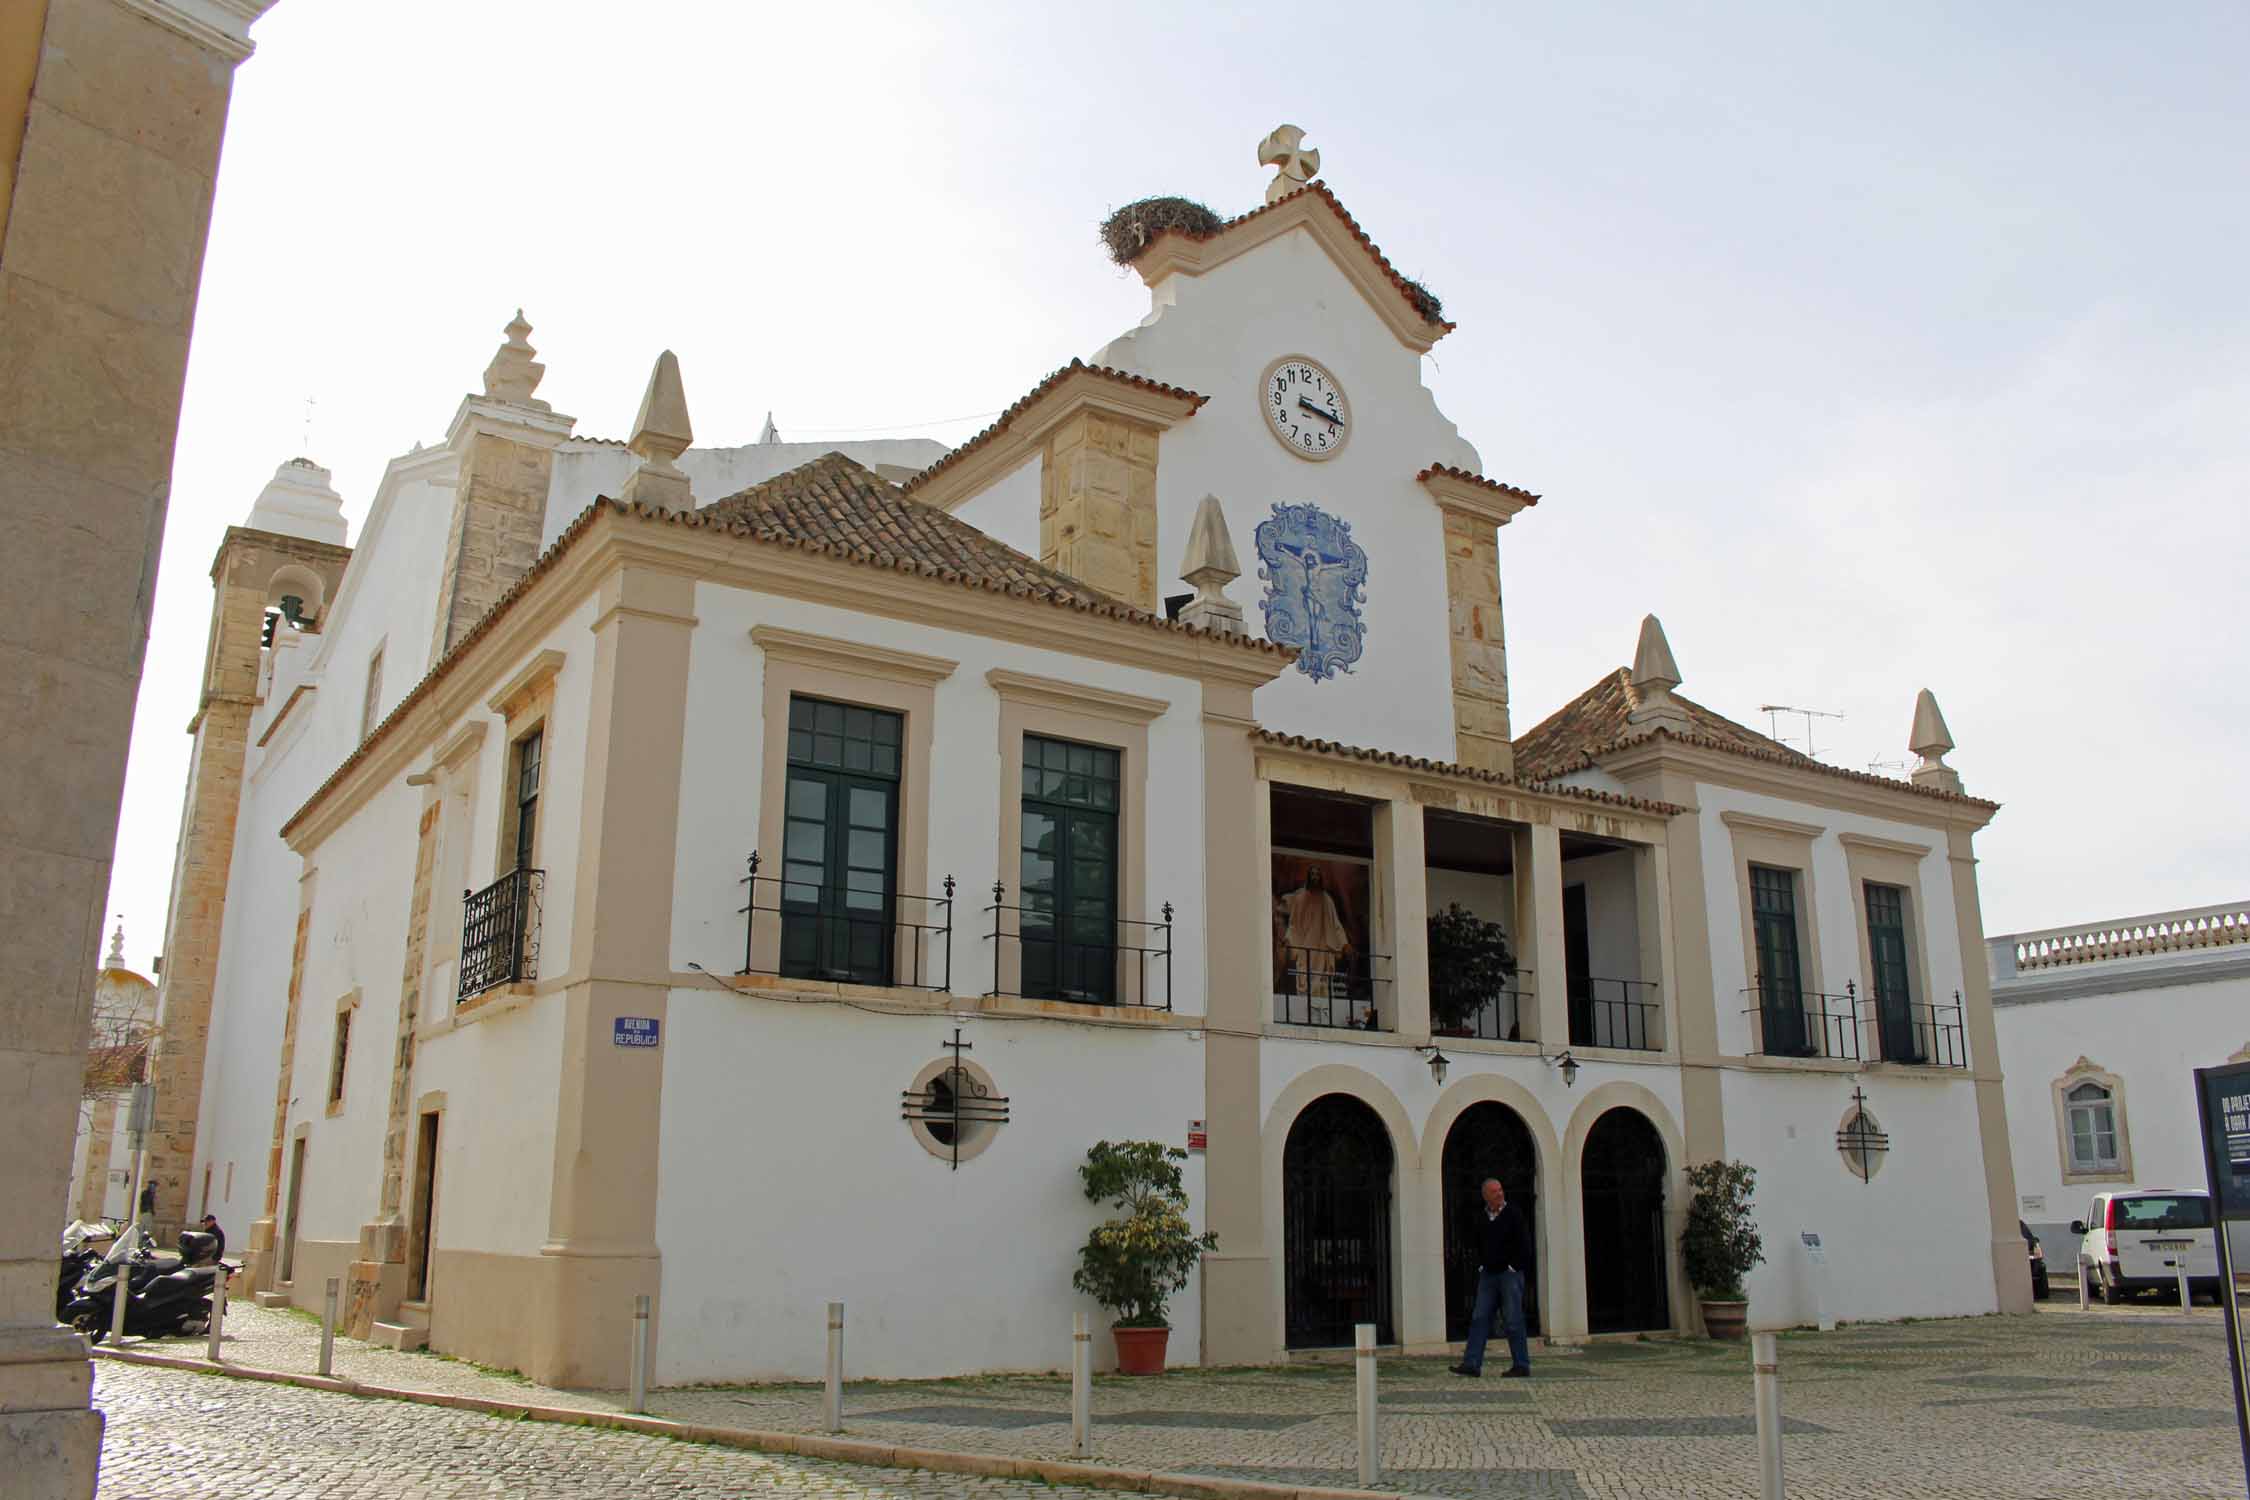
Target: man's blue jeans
1498,1292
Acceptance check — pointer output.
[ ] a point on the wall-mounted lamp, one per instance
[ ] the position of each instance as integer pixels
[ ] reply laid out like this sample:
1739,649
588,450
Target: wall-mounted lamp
1439,1062
1566,1062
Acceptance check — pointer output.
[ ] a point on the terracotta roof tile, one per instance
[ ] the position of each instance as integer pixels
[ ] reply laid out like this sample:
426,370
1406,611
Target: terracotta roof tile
1468,773
1593,724
1320,189
1075,367
1479,481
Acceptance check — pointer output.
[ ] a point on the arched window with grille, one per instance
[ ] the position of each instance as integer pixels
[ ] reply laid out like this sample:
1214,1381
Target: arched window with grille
2094,1142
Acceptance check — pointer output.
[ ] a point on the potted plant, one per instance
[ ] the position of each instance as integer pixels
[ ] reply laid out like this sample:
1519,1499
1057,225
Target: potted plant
1470,963
1720,1245
1133,1262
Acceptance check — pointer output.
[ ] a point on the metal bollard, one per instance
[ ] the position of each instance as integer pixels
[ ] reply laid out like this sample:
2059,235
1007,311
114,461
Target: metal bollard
2187,1298
2085,1287
1765,1368
1370,1436
218,1313
328,1329
1081,1387
640,1354
832,1399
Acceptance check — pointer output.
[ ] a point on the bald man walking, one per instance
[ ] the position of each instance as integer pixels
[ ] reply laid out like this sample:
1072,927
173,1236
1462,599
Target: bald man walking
1503,1258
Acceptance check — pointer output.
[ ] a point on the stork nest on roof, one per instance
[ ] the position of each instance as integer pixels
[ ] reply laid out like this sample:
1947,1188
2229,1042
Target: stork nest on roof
1130,230
1425,301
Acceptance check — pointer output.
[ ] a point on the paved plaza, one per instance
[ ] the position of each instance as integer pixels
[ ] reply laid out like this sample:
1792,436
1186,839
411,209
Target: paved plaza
2123,1401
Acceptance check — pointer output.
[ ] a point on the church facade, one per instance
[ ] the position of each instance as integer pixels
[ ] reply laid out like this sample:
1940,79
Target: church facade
752,878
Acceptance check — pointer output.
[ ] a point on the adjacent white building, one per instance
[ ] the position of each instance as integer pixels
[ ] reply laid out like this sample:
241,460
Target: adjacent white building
752,878
2101,1028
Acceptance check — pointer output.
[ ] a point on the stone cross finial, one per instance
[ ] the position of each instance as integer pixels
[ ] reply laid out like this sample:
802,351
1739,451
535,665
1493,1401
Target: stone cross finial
661,433
116,959
1284,150
1930,740
1210,566
1655,674
767,434
514,374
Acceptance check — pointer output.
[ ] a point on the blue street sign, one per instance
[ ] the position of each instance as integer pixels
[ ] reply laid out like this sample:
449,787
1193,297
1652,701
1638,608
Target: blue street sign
636,1031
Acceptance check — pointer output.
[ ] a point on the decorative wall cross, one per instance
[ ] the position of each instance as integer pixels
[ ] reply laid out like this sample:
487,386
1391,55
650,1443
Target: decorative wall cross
954,1100
1284,149
1860,1141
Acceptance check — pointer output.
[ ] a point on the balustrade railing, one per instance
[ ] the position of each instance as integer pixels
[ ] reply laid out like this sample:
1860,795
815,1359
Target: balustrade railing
1123,961
1329,987
2181,931
500,933
847,934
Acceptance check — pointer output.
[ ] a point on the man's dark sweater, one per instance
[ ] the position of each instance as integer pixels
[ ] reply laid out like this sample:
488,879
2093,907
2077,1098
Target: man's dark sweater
1504,1243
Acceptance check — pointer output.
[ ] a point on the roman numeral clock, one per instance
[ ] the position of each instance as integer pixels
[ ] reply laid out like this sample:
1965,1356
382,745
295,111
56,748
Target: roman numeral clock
1315,574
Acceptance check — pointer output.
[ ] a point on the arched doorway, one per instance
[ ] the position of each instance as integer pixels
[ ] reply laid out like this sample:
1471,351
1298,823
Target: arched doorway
1336,1224
1488,1140
1623,1170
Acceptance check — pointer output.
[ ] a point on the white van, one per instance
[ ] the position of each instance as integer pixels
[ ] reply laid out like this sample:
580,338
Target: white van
2132,1241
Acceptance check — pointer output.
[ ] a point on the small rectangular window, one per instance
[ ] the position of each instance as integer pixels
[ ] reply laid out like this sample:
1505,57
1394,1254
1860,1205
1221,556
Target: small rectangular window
372,700
336,1063
529,759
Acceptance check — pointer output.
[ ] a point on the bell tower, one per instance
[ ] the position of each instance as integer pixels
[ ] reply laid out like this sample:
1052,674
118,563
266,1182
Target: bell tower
286,562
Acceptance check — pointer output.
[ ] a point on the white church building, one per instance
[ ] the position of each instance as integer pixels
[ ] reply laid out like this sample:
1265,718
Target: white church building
593,865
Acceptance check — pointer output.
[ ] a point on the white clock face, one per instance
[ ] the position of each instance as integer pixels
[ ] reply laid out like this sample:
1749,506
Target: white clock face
1305,407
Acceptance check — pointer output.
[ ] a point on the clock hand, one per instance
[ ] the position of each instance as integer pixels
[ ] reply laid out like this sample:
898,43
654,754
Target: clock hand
1327,416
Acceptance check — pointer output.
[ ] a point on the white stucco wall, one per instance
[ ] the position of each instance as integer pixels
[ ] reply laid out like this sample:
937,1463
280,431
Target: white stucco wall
721,789
1215,334
1007,510
1613,923
496,1142
789,1181
2152,1036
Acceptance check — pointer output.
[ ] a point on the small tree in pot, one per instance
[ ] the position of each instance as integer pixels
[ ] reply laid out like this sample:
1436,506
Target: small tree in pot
1721,1245
1470,963
1134,1262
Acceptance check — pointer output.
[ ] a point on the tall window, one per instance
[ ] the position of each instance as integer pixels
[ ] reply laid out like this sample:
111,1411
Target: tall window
336,1063
2091,1120
372,698
1069,870
1781,1000
1886,955
840,841
524,828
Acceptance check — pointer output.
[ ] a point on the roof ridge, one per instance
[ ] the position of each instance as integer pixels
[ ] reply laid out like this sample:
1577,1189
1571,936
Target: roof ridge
1409,762
1017,407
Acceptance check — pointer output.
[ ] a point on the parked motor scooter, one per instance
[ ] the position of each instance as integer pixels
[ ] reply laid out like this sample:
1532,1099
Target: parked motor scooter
164,1295
84,1244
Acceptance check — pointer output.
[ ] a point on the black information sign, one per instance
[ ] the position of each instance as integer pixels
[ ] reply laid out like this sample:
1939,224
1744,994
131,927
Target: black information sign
2222,1098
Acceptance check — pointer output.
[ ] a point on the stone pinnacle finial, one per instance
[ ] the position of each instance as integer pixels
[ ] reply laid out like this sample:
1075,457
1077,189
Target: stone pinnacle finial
514,374
1211,565
1295,166
767,434
661,433
116,959
1655,674
1930,739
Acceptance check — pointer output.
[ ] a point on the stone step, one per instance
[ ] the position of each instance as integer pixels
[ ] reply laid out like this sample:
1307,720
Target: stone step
273,1299
399,1336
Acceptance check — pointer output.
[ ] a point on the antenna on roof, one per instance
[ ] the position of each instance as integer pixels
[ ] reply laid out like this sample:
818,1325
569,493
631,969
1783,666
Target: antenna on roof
1881,767
1773,727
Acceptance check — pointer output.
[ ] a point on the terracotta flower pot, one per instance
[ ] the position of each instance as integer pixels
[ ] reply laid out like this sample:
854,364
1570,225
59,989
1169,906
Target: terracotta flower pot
1140,1351
1725,1320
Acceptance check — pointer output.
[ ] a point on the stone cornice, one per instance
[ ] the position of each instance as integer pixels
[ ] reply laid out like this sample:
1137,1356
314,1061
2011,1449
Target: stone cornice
833,654
2070,984
1487,500
1869,843
1019,435
222,26
1075,697
1779,827
540,670
522,424
1660,752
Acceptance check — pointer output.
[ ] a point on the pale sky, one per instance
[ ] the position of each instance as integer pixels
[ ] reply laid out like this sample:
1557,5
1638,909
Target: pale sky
1872,348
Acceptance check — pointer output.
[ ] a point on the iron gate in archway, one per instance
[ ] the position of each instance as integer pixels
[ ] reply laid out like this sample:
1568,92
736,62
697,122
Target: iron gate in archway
1623,1170
1336,1224
1488,1140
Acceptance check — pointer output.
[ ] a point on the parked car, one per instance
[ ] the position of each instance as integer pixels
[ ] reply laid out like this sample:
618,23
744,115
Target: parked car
2133,1241
2039,1283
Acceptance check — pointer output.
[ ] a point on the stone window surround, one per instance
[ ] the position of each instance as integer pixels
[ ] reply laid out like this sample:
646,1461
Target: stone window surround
2085,1070
1890,862
432,1102
1782,845
339,1058
975,1139
844,671
1057,709
526,704
371,691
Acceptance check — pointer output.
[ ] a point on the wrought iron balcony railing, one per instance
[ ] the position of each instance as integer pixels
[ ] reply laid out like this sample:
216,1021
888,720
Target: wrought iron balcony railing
1802,1023
1615,1013
1117,961
1928,1036
1506,1015
1327,987
849,934
500,933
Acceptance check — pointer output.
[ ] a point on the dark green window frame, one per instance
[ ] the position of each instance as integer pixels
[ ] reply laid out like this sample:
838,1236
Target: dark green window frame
1068,863
1890,976
839,841
1781,980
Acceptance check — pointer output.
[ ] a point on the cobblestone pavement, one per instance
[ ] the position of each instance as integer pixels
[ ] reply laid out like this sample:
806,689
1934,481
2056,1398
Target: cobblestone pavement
2135,1400
175,1433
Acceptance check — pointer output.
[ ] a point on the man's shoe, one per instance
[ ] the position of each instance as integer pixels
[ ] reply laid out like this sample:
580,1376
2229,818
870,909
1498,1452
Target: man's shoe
1465,1370
1516,1372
